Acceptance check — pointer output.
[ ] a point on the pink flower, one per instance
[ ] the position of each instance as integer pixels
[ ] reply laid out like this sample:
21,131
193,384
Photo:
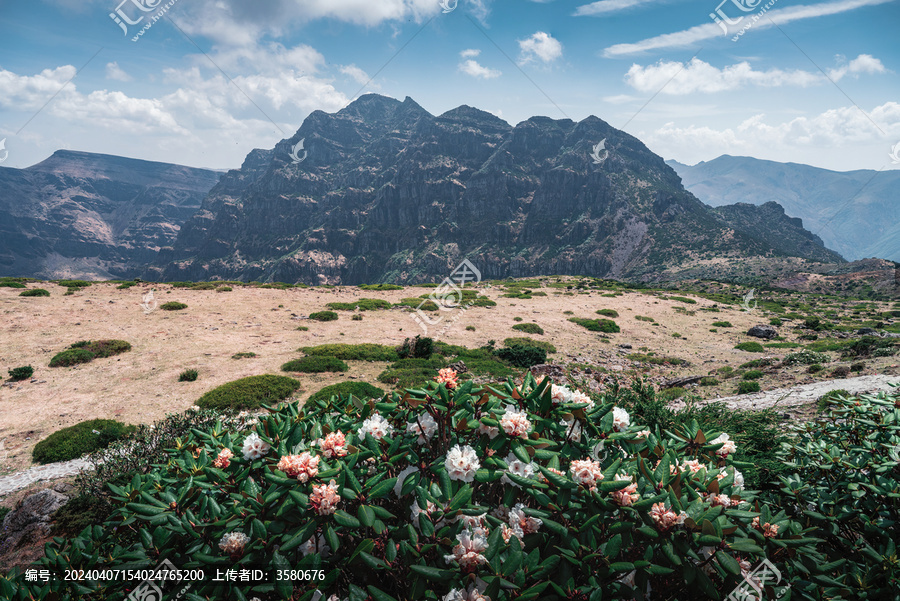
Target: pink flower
491,431
664,518
716,500
304,467
515,423
223,459
462,463
691,465
333,445
727,448
233,543
468,553
473,594
447,377
560,394
324,498
518,519
586,472
768,530
626,496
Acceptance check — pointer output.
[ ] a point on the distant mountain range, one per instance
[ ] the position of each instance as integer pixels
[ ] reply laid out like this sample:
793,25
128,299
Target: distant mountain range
856,213
83,215
385,191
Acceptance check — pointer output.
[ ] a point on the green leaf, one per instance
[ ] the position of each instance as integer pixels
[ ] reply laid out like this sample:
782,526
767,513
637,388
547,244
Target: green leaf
345,519
366,515
379,595
461,498
284,587
382,488
613,546
513,558
729,563
432,573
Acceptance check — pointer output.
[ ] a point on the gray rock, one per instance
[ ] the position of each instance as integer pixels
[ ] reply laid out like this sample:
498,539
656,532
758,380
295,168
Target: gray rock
762,331
31,519
867,332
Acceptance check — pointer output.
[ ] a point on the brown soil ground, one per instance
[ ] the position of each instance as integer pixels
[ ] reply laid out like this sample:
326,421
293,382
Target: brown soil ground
141,385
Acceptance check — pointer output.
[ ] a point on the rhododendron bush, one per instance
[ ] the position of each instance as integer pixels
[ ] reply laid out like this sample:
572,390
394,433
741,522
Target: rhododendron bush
455,491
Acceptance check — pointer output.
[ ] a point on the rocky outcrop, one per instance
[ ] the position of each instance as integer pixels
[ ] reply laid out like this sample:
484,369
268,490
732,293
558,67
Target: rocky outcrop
385,191
92,216
30,520
763,331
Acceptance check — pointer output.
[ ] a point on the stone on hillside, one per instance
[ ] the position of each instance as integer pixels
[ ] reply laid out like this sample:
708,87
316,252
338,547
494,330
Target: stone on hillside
762,331
867,332
31,519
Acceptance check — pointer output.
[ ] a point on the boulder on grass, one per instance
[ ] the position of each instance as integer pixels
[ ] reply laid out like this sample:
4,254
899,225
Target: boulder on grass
766,332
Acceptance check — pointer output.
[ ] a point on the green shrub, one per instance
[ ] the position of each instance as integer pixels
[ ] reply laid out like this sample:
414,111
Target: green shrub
302,329
841,371
78,513
805,357
608,312
357,317
224,289
80,439
708,381
830,397
750,347
104,348
814,368
249,393
9,284
343,390
17,374
753,374
775,321
782,345
670,394
188,375
354,352
517,319
470,328
525,341
74,283
35,292
71,357
765,362
482,301
866,346
722,324
324,316
529,328
745,387
682,299
644,318
243,355
416,348
596,325
173,306
380,287
522,356
363,304
857,367
315,364
412,372
418,303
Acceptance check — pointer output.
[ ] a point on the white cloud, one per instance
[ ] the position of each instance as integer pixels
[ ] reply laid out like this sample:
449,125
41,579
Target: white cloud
710,30
607,6
676,78
471,67
864,63
113,71
357,74
541,46
30,92
470,53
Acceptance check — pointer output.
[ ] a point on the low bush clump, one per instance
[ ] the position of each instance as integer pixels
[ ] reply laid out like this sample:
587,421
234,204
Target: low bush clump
416,348
380,287
243,355
529,328
753,374
746,387
411,372
343,390
357,317
764,362
750,347
841,371
830,397
18,374
224,289
74,283
805,357
607,326
814,368
363,304
80,439
866,346
682,299
78,513
722,324
188,375
324,316
354,352
86,351
11,284
644,318
608,312
857,367
173,306
525,341
71,357
315,364
522,356
249,393
670,394
708,381
35,292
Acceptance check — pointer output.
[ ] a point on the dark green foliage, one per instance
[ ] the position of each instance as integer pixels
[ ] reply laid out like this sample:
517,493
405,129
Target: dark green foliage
722,324
17,374
243,355
746,387
813,323
782,345
482,301
708,381
470,328
416,348
105,348
79,513
644,318
596,325
750,347
380,287
80,439
866,346
224,289
35,292
324,316
353,352
525,341
682,299
11,284
315,364
670,394
857,367
805,357
364,304
302,329
522,356
71,357
758,363
173,306
753,374
608,312
830,397
249,393
362,390
529,328
357,317
775,321
188,375
412,372
74,283
814,368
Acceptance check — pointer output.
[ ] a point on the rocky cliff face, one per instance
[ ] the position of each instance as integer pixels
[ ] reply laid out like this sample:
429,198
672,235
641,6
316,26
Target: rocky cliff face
86,215
389,192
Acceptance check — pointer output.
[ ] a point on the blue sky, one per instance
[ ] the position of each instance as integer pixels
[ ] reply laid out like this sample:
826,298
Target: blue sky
811,82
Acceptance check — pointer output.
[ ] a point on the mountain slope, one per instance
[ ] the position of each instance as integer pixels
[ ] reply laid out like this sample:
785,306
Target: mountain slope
856,213
79,214
388,191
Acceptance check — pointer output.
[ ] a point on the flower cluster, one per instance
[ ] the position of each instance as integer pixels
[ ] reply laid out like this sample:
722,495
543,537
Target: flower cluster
304,467
491,431
621,419
586,472
520,524
728,446
223,459
233,543
573,429
316,545
515,423
447,376
664,518
324,498
517,467
462,463
468,552
424,428
255,447
768,530
377,426
625,496
333,445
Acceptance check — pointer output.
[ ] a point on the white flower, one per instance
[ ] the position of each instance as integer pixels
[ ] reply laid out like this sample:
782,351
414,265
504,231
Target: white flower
560,394
517,467
468,553
402,476
377,426
491,431
309,547
415,510
515,423
461,463
518,519
255,447
233,543
573,429
579,397
459,594
727,448
424,427
738,479
621,419
473,522
586,472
